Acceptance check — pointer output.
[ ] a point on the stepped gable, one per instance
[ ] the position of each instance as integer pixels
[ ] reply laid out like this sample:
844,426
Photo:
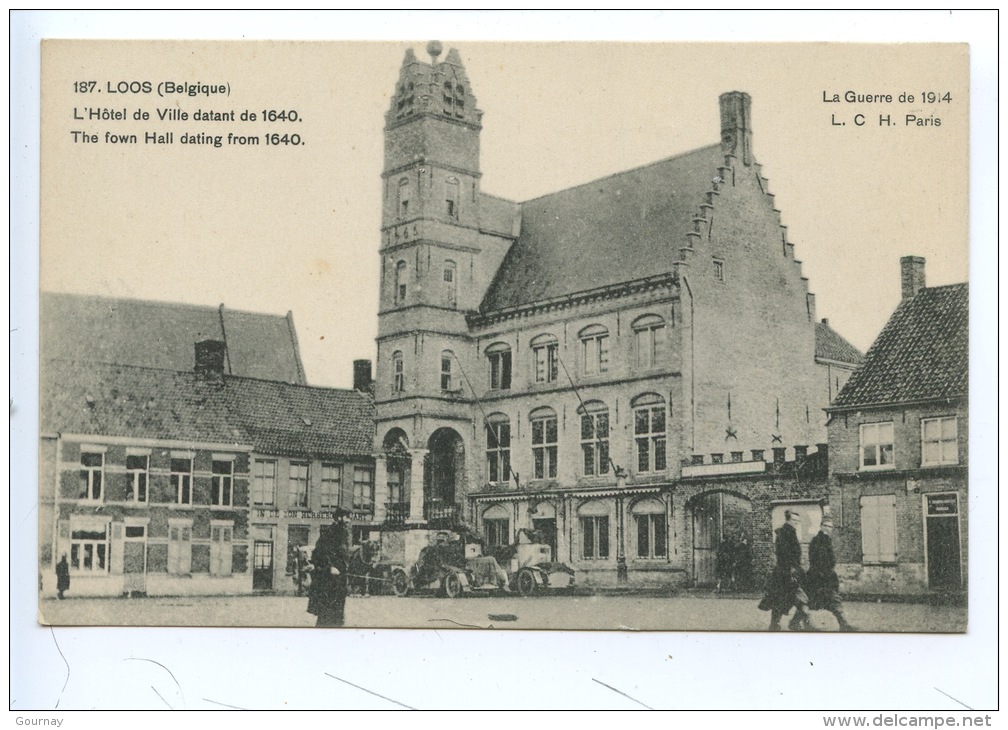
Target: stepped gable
921,354
161,335
620,228
298,420
829,345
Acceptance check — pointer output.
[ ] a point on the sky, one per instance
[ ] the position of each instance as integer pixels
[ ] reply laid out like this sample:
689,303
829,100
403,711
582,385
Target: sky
280,228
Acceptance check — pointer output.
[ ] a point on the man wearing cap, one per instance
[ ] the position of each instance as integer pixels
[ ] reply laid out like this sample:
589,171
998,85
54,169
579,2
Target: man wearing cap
328,589
784,586
822,582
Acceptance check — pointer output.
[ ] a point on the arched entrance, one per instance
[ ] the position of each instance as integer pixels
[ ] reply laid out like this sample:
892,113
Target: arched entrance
444,477
398,467
717,516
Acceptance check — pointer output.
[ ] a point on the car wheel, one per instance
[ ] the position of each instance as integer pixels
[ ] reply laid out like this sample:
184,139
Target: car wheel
525,582
400,582
452,586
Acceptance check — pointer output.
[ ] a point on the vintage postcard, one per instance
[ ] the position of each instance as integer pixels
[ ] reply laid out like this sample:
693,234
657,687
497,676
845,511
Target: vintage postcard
443,334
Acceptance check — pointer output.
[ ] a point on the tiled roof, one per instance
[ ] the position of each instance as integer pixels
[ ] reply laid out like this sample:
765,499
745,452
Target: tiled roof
104,399
829,345
921,354
163,335
621,228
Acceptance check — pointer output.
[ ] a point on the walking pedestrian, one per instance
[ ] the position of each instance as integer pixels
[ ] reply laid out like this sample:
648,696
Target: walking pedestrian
328,589
784,586
62,576
724,563
821,581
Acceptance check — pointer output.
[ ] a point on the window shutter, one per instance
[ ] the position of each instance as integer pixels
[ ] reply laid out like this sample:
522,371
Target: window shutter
887,529
878,529
869,530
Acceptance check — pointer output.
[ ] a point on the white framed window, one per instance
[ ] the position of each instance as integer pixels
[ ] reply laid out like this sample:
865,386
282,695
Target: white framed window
181,479
398,379
878,528
446,370
263,482
877,448
332,478
450,284
594,438
649,332
179,547
649,432
222,483
297,485
544,443
401,282
92,473
137,473
498,449
363,488
651,524
89,548
499,357
404,198
452,198
594,349
221,534
939,441
546,352
593,521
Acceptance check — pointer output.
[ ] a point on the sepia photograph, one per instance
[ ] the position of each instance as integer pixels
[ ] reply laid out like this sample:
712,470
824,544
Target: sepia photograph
567,341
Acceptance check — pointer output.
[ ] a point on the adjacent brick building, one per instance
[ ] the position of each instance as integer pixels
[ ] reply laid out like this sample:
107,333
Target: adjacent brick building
599,363
899,445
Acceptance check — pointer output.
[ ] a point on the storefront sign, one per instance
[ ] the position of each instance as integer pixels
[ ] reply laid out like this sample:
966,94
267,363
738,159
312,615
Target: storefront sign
942,504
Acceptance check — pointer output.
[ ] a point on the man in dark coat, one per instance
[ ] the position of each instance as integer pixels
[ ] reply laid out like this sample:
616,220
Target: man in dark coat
62,576
784,586
328,589
724,564
821,581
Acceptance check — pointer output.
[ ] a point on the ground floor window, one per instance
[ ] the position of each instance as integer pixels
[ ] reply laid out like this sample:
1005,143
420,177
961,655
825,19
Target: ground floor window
89,550
595,537
180,548
651,536
497,532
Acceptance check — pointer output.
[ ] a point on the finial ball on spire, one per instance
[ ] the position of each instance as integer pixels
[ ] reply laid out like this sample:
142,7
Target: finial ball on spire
434,49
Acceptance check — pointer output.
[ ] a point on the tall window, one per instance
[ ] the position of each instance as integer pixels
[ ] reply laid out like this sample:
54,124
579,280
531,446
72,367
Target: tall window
648,333
136,472
939,441
89,549
450,285
496,526
877,445
498,449
181,479
452,197
179,547
401,280
594,349
222,483
398,379
446,370
719,269
396,473
878,528
546,350
649,432
220,547
330,487
404,196
263,482
92,469
544,443
499,357
594,521
649,518
594,438
297,485
363,486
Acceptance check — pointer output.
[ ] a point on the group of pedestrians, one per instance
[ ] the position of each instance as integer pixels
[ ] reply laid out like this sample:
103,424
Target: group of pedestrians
733,564
789,586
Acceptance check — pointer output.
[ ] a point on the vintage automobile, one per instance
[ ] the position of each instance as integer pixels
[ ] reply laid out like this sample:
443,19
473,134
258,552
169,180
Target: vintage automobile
450,566
531,568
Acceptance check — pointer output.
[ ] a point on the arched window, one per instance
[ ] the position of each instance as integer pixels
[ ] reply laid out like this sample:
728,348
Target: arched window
498,448
450,284
497,526
594,523
649,431
649,332
404,197
401,278
594,438
544,443
652,531
499,357
546,350
452,198
398,379
594,349
446,370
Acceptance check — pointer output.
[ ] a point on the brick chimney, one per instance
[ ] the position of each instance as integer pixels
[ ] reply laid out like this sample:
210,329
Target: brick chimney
362,376
210,356
736,127
911,275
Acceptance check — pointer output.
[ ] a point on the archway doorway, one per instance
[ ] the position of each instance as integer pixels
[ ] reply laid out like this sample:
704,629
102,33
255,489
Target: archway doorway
398,469
717,516
444,477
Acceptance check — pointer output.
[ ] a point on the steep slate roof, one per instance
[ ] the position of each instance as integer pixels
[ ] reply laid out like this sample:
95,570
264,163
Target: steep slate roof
620,228
829,345
162,335
299,420
103,399
921,354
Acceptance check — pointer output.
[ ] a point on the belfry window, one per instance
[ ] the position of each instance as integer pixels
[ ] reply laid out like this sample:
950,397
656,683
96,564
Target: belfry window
452,198
404,197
